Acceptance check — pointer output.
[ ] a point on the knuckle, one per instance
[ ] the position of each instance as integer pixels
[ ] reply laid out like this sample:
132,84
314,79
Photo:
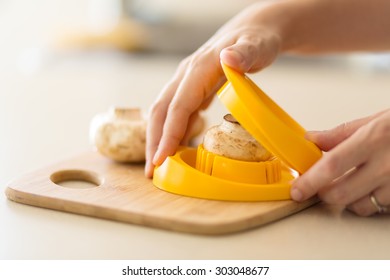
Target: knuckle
205,48
251,43
336,196
184,63
196,63
331,165
207,56
379,133
251,34
383,169
174,137
175,107
157,108
201,64
341,129
252,50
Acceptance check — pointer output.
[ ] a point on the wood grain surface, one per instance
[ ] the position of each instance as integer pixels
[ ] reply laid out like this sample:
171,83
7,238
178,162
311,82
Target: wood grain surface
124,194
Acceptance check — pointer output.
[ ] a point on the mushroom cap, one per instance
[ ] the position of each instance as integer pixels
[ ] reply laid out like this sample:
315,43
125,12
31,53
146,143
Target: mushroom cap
120,134
231,140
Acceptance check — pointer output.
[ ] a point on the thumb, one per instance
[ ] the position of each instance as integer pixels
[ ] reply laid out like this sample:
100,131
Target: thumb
233,58
328,139
250,54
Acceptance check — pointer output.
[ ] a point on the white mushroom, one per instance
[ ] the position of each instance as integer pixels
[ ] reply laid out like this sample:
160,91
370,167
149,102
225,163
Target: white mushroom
120,134
231,140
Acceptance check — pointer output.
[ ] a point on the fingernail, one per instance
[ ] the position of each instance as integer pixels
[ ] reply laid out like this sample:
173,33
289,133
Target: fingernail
296,194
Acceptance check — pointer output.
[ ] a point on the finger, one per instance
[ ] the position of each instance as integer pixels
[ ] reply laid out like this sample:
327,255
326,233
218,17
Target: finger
156,119
194,119
332,165
188,98
364,206
354,185
153,134
329,139
206,103
196,123
175,126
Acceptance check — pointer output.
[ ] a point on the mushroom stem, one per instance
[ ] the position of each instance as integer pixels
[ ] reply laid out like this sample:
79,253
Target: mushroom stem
126,113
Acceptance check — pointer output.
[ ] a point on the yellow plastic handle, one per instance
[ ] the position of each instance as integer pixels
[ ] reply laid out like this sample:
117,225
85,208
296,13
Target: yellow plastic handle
267,122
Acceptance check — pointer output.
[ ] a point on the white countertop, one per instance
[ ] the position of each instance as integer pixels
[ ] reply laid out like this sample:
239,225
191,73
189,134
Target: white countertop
47,100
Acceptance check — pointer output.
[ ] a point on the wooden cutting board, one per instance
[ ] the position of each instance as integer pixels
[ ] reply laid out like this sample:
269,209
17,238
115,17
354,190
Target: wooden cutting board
124,194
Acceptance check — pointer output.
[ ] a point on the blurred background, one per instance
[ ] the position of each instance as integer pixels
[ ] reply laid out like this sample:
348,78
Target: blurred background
64,61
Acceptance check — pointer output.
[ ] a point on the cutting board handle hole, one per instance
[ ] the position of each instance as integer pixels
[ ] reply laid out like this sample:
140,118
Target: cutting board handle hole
76,179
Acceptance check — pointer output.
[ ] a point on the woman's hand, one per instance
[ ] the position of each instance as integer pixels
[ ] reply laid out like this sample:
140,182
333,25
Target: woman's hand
250,42
244,44
355,168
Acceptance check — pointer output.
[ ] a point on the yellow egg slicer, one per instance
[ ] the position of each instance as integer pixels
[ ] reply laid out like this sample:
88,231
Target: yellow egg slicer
199,173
